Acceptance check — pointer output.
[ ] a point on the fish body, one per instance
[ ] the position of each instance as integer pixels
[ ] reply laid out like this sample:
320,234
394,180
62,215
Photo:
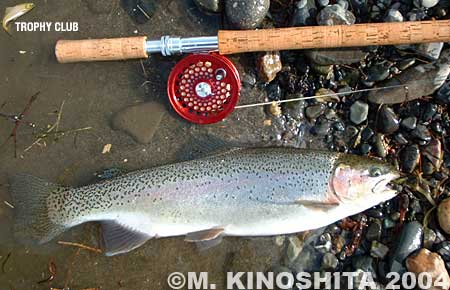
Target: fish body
244,192
12,13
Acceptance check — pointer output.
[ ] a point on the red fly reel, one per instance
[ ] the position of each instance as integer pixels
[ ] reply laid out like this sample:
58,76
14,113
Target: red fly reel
204,88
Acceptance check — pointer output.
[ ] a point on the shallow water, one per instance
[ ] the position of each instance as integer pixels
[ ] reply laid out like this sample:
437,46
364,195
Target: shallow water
92,93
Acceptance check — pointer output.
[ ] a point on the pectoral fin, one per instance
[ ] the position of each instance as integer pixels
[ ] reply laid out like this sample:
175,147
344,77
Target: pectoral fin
205,235
119,239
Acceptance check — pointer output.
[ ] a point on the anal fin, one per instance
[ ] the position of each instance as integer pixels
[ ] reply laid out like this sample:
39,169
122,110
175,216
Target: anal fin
119,239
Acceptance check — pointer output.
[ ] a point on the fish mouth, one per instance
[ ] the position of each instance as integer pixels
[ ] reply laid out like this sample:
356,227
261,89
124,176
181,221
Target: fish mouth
383,186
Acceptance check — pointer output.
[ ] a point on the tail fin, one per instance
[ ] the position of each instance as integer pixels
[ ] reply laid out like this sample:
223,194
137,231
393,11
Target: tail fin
32,222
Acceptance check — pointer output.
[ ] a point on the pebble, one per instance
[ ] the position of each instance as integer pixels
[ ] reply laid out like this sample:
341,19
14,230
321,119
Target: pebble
426,3
335,15
140,121
358,112
388,121
323,3
410,240
295,110
433,155
322,128
366,134
274,91
269,64
295,246
443,95
211,6
429,112
275,109
409,158
395,216
388,223
329,262
443,249
421,80
421,133
393,15
246,14
314,111
248,79
309,260
378,250
429,237
339,126
328,95
429,50
365,148
338,243
380,145
364,263
428,262
374,231
305,13
378,72
400,139
443,214
416,14
437,128
279,240
326,70
343,3
409,123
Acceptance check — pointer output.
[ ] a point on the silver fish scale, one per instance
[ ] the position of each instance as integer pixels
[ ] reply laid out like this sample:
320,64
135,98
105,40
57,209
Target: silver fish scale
242,184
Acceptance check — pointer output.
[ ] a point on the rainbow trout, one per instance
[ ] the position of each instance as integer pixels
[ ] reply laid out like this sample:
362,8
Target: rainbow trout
244,192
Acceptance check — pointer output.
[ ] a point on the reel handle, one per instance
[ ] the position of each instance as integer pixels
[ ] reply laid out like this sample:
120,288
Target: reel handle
101,49
393,33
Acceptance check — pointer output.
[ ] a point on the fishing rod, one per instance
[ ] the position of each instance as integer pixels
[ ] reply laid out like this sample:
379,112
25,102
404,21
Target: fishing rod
204,87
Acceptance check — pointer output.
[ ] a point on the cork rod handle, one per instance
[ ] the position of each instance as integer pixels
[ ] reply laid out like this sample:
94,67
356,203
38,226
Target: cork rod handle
334,36
100,49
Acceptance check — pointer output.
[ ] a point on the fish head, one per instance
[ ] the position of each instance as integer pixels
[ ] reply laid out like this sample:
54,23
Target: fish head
29,6
364,179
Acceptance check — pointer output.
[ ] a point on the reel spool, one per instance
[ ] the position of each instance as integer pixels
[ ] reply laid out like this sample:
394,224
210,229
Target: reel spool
204,88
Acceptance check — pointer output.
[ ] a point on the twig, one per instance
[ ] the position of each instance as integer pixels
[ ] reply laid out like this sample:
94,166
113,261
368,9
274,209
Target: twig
81,246
4,262
8,204
47,134
143,70
426,218
52,271
18,121
54,126
53,130
58,118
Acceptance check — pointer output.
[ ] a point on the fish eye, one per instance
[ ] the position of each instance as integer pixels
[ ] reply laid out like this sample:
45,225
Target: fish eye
375,172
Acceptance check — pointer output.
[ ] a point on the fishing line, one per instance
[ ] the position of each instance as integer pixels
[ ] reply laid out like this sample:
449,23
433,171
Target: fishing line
329,95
